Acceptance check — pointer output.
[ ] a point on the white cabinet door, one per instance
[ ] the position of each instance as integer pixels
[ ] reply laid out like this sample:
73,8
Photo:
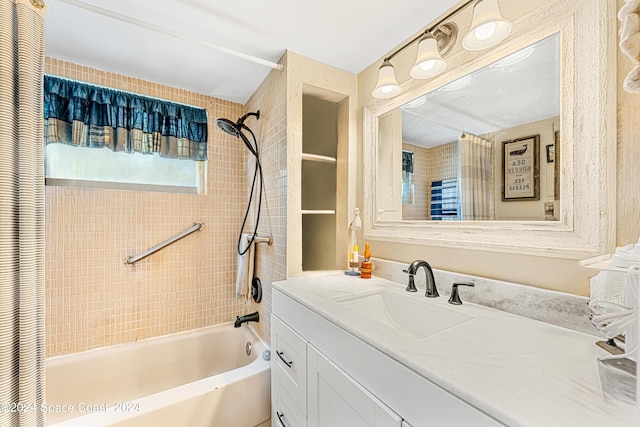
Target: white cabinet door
335,399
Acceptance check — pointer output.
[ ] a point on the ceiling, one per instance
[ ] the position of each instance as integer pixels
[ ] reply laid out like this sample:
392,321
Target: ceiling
349,35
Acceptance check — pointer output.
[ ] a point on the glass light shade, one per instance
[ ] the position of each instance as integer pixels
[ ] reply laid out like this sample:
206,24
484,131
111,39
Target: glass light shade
387,86
429,63
488,27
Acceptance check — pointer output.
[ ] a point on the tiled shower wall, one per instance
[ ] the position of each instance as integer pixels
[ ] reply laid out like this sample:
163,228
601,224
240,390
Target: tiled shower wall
271,131
92,298
430,164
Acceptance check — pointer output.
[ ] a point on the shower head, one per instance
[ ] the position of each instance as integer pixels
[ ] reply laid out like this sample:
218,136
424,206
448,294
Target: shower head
229,127
234,129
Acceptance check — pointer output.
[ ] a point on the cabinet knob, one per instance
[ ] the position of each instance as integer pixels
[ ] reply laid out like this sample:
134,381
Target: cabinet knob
455,298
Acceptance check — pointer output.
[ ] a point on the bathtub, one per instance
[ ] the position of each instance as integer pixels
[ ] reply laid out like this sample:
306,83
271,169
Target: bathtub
193,379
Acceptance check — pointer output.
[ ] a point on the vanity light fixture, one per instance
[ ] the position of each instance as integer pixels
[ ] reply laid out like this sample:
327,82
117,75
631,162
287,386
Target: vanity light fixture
429,63
387,86
488,28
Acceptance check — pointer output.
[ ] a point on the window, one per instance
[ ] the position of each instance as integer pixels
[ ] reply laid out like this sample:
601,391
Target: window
445,203
101,137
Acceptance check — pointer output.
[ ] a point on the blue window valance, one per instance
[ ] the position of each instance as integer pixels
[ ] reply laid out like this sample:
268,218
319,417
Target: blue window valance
85,115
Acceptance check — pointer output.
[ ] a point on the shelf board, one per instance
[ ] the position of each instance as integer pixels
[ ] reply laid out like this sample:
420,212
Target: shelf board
318,212
318,158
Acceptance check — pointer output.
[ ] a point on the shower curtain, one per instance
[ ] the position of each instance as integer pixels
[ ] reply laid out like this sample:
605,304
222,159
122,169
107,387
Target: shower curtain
22,350
476,178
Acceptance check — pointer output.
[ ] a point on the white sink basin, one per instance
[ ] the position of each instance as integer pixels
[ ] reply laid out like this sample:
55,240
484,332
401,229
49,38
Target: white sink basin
408,314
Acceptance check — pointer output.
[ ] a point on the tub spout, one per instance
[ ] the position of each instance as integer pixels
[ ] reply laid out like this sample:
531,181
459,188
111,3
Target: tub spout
253,317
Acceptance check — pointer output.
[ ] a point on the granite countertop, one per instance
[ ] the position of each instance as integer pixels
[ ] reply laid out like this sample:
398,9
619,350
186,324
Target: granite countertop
521,371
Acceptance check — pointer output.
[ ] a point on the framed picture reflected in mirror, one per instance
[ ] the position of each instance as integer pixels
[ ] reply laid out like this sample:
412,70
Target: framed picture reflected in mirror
520,169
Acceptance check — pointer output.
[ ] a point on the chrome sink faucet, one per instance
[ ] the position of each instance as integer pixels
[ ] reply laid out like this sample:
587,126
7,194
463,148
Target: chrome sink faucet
432,290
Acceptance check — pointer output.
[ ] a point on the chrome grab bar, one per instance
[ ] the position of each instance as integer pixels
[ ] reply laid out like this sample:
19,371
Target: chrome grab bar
195,227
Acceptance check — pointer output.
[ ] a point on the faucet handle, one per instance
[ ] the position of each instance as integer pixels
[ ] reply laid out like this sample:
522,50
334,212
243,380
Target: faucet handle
411,287
455,297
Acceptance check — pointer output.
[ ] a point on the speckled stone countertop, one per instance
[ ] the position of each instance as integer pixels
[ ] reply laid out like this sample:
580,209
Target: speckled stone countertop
521,371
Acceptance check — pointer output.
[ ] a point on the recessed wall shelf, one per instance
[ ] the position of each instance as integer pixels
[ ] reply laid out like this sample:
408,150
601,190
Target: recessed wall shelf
318,158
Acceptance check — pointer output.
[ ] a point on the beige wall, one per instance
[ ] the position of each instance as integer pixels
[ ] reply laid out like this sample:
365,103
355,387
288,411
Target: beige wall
544,272
92,298
271,132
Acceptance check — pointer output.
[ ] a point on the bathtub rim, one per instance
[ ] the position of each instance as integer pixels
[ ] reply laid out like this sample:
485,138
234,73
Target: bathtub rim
165,337
157,400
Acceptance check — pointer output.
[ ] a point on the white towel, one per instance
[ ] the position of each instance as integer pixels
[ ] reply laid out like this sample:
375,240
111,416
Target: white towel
245,268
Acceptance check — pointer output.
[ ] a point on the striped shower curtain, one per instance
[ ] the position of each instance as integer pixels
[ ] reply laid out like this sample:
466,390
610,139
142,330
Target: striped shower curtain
22,350
476,178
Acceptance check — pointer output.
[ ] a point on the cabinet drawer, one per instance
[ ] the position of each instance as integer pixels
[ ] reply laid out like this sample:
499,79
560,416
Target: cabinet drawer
284,411
290,362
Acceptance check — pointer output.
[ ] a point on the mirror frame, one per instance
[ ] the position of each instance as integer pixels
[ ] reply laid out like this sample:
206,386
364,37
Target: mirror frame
586,225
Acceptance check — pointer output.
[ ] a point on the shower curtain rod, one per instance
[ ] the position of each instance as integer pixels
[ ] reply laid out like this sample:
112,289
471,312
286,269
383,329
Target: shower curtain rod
159,29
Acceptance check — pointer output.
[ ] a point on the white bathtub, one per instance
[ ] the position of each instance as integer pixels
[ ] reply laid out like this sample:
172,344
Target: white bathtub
193,379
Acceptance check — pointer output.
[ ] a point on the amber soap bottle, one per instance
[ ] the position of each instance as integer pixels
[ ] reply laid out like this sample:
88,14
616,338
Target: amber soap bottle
366,268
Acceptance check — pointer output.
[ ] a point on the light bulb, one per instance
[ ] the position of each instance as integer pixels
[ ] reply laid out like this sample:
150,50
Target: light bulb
427,65
386,89
484,32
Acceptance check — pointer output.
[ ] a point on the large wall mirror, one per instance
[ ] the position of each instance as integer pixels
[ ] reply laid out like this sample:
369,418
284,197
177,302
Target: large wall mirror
461,159
513,155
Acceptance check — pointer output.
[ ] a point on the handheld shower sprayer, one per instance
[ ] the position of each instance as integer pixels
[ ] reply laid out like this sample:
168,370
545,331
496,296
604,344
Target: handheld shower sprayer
236,129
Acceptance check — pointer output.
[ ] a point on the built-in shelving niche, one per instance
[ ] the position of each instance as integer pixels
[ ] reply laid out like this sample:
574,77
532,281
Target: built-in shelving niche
319,183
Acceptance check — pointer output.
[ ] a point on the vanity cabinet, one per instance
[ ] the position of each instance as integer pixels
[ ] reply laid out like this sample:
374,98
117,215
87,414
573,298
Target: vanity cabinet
310,390
339,379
